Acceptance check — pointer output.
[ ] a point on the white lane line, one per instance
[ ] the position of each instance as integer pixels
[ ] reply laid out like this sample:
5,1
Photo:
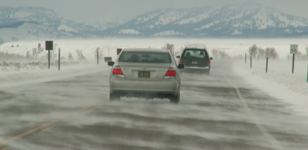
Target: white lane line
272,140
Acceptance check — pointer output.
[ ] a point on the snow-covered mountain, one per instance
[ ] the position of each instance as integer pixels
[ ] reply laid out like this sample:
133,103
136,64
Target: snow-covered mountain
239,21
34,23
242,20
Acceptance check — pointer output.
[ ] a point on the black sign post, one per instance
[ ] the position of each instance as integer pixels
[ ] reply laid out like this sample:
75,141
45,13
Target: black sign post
49,46
293,50
293,60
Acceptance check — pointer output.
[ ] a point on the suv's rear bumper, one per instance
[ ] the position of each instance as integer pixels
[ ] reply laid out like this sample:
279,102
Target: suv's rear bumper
195,69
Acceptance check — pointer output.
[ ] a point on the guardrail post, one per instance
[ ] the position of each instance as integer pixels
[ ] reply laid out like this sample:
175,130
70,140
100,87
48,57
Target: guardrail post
245,58
59,59
97,55
266,64
250,61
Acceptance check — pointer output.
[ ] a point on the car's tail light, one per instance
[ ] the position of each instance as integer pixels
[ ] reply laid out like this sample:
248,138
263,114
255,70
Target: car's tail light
117,72
181,61
208,62
171,73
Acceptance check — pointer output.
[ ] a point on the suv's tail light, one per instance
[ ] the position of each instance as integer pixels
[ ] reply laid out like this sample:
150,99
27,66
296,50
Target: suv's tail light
171,73
181,61
117,72
208,62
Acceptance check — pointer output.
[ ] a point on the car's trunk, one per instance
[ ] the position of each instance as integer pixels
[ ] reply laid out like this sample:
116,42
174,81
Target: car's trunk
138,71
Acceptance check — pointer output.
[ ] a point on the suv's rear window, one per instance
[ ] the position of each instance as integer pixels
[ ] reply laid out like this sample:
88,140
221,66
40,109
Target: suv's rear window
195,53
145,57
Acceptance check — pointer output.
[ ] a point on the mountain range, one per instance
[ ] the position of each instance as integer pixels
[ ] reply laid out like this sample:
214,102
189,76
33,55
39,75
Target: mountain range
244,20
35,23
234,21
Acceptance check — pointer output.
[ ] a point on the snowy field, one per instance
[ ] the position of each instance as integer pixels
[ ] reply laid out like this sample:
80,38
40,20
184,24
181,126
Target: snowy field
279,81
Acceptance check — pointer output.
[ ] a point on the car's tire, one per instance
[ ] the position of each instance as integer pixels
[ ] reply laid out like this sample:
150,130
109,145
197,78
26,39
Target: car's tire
113,97
207,72
175,99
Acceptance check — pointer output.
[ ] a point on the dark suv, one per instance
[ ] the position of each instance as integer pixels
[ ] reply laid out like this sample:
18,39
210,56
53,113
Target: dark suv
195,59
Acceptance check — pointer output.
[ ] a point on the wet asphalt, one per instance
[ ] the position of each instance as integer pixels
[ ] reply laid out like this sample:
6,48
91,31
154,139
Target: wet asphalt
216,112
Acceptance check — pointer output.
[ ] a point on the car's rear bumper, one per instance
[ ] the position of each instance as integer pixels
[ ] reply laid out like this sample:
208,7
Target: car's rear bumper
137,88
143,94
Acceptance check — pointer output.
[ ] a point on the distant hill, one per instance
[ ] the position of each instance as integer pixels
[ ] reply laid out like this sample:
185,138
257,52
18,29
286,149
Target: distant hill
233,21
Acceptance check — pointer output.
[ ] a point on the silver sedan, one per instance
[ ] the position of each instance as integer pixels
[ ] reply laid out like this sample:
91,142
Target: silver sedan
147,73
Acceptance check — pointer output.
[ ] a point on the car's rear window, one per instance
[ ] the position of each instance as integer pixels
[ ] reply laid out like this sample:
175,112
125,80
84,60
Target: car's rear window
145,57
195,53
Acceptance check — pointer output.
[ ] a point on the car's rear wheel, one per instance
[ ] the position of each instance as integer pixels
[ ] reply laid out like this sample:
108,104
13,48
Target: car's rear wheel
207,72
113,97
175,99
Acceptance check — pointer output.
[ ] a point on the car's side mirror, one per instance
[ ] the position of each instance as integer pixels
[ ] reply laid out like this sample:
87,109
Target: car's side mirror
178,56
110,63
119,50
181,66
211,58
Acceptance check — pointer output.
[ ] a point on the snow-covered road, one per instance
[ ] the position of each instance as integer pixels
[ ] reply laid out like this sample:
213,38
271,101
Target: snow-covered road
220,111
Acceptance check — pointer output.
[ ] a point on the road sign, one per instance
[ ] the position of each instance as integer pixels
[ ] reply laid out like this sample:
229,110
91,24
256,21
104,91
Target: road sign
293,48
49,45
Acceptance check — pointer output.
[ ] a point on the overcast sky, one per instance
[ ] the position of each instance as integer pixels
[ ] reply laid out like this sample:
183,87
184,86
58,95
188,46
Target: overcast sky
102,10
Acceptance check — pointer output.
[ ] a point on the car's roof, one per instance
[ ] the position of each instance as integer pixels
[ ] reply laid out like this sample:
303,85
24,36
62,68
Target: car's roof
145,49
196,46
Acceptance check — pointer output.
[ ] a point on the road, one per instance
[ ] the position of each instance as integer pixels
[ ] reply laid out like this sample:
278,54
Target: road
216,112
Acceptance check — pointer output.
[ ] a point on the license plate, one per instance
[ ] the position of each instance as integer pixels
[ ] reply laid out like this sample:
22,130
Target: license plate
143,74
194,62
